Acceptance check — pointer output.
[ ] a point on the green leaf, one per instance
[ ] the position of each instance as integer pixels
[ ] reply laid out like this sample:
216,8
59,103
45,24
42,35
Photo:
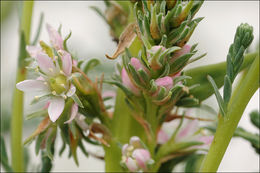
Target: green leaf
255,118
65,41
39,113
77,100
217,71
218,96
39,142
90,65
46,162
227,90
36,38
50,143
194,162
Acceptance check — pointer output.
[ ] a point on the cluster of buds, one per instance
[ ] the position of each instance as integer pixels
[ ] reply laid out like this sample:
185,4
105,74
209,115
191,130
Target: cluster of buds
135,156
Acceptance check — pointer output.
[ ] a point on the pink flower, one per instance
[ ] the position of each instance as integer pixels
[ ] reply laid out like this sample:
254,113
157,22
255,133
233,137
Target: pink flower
54,82
166,82
33,50
162,137
135,156
128,83
154,49
55,38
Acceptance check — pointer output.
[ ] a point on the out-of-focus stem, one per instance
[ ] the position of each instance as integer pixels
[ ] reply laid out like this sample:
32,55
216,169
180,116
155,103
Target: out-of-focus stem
17,112
228,124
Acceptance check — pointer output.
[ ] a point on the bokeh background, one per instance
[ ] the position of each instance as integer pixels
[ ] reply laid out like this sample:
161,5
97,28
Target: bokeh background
91,39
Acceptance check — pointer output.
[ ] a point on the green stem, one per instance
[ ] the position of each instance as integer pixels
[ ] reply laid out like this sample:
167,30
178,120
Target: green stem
227,125
17,113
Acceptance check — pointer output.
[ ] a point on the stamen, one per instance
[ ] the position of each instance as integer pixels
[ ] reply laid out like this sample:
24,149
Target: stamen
51,70
61,72
36,97
54,92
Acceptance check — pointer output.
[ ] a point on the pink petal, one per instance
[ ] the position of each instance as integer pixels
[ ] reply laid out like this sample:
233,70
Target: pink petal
154,49
32,85
162,137
138,65
165,82
142,156
131,164
188,131
33,50
55,38
185,49
109,94
46,105
73,114
66,62
128,83
56,108
46,64
74,62
124,149
71,91
207,140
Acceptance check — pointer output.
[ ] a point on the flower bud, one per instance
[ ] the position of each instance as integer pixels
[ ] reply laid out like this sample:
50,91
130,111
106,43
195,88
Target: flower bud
136,142
142,157
185,49
166,82
128,83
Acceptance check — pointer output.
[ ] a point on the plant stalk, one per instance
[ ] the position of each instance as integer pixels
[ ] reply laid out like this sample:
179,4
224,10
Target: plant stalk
17,110
228,124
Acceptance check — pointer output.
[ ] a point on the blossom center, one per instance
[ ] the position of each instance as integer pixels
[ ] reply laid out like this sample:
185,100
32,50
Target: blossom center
59,84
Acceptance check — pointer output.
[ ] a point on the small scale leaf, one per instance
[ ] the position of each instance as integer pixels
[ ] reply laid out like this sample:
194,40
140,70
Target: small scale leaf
227,90
218,96
77,100
90,65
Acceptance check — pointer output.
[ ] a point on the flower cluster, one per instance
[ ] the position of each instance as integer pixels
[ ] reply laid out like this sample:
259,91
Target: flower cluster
134,155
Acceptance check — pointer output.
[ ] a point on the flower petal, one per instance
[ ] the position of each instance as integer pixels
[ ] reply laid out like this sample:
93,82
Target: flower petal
71,91
46,64
162,137
124,149
33,50
188,130
56,108
55,38
74,112
142,156
66,62
131,164
185,49
136,142
32,85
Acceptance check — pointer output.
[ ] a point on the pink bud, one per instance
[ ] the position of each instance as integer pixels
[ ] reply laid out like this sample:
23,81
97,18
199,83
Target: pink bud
55,37
124,149
142,156
185,49
135,141
165,82
162,137
128,83
138,65
156,48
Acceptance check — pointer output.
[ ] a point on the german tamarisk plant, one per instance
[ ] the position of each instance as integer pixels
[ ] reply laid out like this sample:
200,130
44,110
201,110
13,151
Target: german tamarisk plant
153,125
